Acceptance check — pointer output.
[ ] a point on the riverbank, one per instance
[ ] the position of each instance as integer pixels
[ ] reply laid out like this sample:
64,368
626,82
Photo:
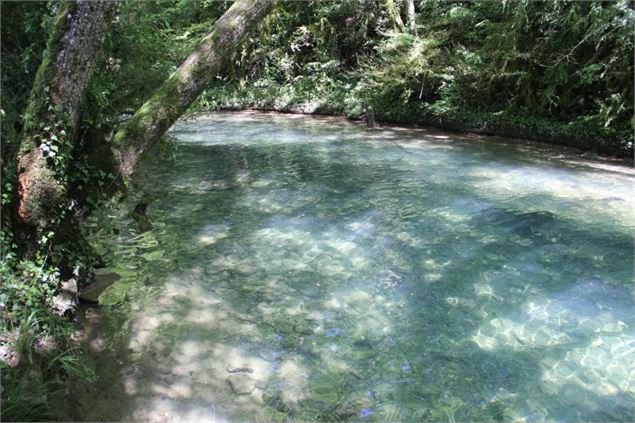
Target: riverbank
536,150
341,100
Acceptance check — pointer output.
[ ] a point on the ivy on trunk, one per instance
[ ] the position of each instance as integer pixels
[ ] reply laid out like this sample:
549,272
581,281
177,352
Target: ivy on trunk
52,116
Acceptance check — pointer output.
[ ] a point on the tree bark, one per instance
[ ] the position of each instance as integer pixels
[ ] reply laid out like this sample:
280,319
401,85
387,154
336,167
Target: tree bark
410,4
52,114
173,98
394,16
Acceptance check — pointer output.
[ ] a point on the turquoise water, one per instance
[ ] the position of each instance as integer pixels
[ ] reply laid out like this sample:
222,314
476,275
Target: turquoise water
311,269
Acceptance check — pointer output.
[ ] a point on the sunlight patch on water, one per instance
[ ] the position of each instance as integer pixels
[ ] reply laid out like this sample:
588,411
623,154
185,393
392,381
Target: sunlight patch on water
212,233
605,367
589,198
307,269
599,355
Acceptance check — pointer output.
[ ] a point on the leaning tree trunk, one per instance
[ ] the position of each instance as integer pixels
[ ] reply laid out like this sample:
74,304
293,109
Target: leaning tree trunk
52,115
173,98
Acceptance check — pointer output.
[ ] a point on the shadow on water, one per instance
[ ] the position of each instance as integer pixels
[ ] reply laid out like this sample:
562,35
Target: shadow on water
310,271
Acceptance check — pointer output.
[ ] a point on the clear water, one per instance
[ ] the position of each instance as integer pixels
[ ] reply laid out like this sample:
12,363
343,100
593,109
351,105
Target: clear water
310,269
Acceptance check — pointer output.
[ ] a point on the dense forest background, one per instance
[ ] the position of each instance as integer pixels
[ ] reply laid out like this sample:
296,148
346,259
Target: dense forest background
553,71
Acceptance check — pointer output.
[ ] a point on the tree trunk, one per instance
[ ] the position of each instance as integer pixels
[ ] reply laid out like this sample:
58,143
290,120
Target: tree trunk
52,114
410,4
173,98
394,16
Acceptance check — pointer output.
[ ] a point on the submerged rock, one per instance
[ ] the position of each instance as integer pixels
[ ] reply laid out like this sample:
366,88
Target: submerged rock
241,384
362,407
236,265
116,293
239,369
276,401
139,216
363,343
103,279
323,394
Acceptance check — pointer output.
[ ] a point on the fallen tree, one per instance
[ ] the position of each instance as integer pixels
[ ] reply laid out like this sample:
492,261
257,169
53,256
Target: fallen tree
184,86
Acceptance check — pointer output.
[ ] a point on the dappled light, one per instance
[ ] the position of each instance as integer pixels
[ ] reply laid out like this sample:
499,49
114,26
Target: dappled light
308,268
279,211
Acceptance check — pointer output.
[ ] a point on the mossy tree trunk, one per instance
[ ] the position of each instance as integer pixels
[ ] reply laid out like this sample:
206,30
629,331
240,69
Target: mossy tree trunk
173,98
394,16
52,116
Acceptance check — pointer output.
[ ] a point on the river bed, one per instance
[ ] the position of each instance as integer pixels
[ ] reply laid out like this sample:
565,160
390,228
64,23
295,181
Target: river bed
305,268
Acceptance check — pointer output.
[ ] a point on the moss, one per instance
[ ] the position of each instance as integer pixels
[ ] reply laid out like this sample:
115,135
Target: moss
45,197
43,74
37,106
115,294
182,88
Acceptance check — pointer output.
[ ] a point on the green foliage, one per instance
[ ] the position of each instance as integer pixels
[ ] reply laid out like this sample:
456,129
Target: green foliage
405,67
301,48
29,308
553,71
27,286
72,364
31,388
25,402
583,134
309,38
559,72
29,315
24,29
148,40
146,43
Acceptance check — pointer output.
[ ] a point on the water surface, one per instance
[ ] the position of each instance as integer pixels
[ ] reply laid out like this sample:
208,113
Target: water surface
311,269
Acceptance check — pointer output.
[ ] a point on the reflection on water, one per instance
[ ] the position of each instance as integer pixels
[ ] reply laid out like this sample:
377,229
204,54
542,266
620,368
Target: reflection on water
310,269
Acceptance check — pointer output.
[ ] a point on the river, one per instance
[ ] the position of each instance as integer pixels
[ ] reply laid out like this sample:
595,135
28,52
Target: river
305,268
